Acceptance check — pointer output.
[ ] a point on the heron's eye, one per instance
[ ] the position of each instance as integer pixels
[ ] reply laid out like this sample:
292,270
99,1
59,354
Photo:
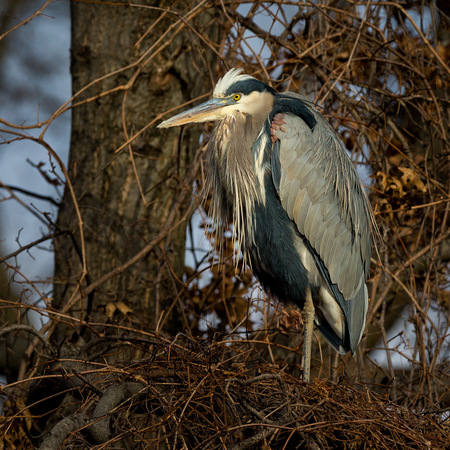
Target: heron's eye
236,97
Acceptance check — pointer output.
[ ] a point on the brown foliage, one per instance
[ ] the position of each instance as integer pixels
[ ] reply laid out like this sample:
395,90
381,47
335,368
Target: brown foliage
195,394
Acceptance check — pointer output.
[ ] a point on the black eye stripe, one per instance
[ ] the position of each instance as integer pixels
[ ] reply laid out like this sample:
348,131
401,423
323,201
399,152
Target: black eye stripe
246,87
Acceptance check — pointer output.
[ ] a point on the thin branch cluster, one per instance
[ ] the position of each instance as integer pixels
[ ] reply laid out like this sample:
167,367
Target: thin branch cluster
380,72
191,394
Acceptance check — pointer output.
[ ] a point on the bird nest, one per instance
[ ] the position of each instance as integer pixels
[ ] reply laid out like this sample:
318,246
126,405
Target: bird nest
208,396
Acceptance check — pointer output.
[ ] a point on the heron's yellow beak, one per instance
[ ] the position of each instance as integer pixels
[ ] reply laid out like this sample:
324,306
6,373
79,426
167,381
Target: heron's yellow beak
210,110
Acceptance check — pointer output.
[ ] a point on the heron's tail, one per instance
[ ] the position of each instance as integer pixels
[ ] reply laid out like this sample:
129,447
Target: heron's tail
354,318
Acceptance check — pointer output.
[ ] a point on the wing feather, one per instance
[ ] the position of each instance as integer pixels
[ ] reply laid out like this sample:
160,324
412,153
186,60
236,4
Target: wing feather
321,231
294,186
298,204
304,209
330,211
312,219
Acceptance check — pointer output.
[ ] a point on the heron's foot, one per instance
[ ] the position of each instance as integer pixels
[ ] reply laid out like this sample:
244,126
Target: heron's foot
277,124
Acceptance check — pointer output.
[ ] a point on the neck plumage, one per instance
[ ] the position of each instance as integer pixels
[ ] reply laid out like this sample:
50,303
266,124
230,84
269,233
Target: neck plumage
232,177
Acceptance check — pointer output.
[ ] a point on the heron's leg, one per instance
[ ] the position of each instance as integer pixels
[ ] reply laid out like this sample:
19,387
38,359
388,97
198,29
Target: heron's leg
308,323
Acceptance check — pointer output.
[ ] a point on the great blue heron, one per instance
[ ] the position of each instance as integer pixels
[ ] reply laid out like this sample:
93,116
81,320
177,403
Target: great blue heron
299,210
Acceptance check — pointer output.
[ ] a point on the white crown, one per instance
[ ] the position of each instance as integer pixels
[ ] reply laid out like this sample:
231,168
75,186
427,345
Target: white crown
231,77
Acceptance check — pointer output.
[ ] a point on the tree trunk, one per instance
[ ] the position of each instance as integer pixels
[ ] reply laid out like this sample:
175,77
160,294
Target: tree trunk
117,223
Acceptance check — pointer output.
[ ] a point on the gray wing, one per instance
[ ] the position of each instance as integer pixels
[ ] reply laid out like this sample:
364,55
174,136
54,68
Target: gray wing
320,190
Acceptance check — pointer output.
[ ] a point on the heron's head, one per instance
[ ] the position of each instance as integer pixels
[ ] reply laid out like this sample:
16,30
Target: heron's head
234,93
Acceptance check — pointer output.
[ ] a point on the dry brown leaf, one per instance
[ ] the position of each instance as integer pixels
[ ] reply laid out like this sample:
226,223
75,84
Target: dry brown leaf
411,178
110,309
391,185
123,308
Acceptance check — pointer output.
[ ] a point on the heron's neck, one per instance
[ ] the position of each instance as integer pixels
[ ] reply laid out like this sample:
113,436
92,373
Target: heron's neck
232,176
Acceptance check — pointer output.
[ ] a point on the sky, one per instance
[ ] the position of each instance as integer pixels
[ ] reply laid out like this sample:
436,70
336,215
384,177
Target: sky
34,82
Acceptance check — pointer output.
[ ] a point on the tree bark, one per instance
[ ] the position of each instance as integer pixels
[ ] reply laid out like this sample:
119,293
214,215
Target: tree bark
117,223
